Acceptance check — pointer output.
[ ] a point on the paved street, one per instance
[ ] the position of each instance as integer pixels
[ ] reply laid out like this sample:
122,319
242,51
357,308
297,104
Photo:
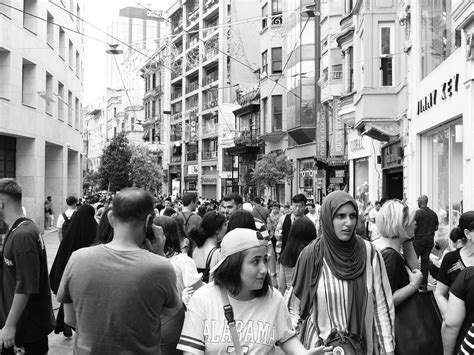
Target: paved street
58,344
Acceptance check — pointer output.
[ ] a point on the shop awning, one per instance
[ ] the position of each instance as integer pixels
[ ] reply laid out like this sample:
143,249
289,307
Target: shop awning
379,129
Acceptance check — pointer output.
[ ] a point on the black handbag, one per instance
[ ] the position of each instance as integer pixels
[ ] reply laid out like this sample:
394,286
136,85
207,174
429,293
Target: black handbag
418,326
343,344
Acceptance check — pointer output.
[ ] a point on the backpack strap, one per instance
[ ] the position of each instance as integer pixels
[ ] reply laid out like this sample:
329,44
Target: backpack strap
186,220
65,217
229,316
209,258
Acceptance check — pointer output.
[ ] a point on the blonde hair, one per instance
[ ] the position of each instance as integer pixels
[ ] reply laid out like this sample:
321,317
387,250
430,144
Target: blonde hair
393,219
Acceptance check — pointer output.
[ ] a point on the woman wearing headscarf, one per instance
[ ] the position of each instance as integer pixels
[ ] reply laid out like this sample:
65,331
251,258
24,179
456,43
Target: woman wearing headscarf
80,233
340,285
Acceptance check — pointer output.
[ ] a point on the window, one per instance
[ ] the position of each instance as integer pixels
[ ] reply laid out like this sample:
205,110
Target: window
78,65
61,101
62,43
277,9
29,13
4,73
69,108
265,113
277,112
350,69
153,109
28,87
7,157
77,111
336,70
348,6
71,55
264,63
276,60
78,18
386,52
50,30
49,94
264,16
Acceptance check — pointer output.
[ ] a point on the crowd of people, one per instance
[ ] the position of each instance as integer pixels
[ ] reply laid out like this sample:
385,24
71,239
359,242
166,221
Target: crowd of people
141,274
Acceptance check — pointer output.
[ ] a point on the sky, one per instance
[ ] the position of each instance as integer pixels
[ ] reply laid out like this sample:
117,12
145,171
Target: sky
100,13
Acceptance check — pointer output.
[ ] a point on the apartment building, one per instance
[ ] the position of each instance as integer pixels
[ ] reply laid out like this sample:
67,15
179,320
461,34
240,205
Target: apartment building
215,54
374,100
94,135
41,87
439,154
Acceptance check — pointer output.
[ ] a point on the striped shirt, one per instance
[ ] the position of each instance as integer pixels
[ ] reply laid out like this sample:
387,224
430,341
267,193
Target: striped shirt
467,346
331,306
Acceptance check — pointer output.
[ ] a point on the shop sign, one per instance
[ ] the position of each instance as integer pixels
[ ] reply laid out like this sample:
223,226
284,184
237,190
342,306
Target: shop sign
209,180
339,143
392,156
319,183
445,91
336,180
321,148
306,173
193,169
358,146
340,173
192,127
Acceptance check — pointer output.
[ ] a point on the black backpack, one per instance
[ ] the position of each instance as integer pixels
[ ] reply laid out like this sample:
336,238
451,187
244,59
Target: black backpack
67,221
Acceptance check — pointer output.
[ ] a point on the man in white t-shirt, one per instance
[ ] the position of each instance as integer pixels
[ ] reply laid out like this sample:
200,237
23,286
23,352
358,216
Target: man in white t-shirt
313,214
373,232
71,202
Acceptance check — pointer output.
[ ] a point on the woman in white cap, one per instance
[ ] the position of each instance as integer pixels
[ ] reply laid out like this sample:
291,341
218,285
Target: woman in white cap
240,313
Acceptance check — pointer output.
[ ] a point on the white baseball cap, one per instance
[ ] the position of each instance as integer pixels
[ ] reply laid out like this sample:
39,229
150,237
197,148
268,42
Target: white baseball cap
237,240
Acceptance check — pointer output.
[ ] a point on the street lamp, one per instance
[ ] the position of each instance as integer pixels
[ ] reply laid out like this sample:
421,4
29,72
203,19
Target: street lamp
113,49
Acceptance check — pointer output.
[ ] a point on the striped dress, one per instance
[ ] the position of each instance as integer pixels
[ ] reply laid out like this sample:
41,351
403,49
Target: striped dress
467,346
331,307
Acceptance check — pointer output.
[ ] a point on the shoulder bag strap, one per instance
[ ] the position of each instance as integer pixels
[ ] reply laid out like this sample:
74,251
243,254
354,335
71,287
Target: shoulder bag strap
209,258
229,316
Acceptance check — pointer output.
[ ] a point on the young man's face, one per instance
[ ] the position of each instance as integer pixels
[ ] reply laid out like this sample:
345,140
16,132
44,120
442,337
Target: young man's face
229,207
310,209
298,208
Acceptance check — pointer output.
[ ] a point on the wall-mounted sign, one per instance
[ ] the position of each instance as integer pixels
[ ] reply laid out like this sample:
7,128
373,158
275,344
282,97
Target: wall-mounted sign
193,169
306,173
445,91
209,180
392,156
192,127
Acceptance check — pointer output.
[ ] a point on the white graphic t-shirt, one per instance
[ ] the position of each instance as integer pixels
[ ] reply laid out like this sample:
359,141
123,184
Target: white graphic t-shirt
261,323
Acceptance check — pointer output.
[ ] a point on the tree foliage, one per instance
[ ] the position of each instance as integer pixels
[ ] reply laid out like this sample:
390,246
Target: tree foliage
272,169
115,168
145,171
91,179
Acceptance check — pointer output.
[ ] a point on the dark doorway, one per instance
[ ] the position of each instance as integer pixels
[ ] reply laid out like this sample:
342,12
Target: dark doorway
393,183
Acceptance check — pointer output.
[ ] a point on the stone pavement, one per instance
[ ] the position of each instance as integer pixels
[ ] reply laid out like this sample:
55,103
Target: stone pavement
58,343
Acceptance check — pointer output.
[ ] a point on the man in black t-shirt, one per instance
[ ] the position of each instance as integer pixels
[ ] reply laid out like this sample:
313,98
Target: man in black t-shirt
26,313
426,226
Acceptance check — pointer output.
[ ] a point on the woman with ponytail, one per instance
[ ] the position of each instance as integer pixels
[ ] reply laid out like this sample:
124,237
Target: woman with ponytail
206,238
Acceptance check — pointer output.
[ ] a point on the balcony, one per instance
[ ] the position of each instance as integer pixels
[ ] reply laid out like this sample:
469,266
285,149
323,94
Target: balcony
210,104
192,86
177,27
209,3
191,156
209,30
210,53
209,128
211,154
210,78
302,125
175,159
176,116
177,93
192,16
175,137
192,42
176,72
246,142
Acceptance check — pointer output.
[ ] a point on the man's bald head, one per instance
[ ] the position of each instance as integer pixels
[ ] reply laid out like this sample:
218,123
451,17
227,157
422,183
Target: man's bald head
132,204
423,201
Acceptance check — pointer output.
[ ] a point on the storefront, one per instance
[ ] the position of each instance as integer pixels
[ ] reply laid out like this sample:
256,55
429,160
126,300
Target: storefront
392,167
442,125
191,178
306,178
175,180
209,186
364,182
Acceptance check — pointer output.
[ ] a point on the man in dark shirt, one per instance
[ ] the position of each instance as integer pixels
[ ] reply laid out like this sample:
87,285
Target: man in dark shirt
426,226
26,313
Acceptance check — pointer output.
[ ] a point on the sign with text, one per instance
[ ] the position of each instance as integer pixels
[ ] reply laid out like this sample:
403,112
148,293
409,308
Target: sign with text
321,136
193,169
443,92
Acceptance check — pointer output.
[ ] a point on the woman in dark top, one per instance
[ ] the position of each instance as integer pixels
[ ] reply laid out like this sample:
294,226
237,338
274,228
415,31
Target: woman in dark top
396,224
456,261
459,314
206,237
80,233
